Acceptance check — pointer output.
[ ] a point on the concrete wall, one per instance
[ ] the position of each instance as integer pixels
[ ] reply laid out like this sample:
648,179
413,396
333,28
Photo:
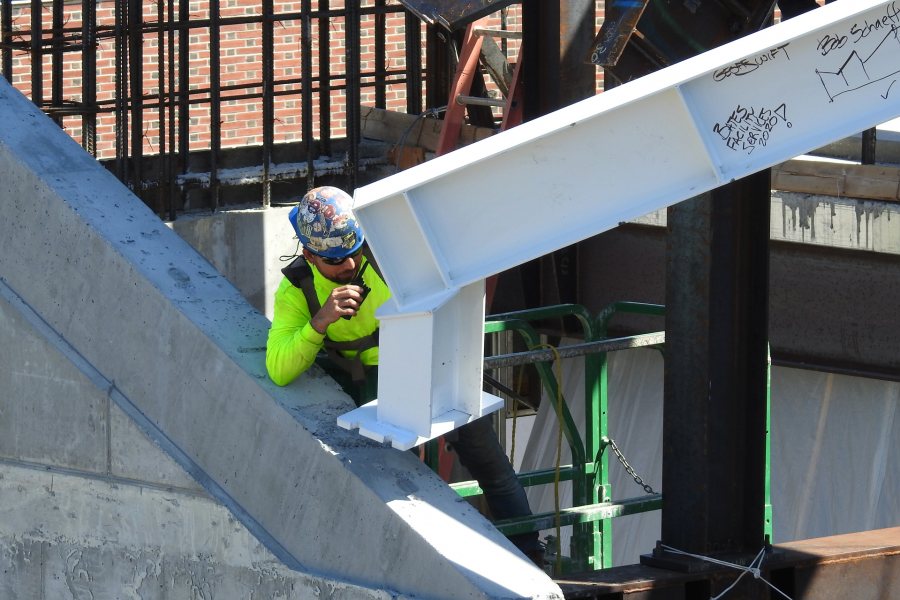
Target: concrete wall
106,311
247,246
64,535
834,280
91,505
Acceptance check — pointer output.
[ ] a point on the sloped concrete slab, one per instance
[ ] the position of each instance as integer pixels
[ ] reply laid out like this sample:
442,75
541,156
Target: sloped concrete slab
152,324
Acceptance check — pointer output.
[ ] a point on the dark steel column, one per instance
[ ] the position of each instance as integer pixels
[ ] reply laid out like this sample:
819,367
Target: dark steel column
161,172
136,93
324,81
89,76
56,63
37,62
540,66
557,38
413,64
121,100
268,99
577,77
169,159
6,39
306,89
184,96
438,72
215,103
868,146
352,94
714,421
380,59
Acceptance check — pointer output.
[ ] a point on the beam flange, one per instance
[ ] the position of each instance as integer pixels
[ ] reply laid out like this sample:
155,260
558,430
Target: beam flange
648,144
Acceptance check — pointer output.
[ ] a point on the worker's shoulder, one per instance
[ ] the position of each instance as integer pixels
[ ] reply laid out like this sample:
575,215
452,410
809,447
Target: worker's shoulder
288,289
297,270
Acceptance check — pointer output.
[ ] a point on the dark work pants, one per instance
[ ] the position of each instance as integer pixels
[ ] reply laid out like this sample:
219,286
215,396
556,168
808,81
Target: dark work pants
480,452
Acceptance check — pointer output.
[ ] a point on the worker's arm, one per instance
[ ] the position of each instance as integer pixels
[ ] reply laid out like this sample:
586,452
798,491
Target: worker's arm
293,342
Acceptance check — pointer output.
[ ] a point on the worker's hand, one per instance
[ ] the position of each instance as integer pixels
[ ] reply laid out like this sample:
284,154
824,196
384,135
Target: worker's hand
343,301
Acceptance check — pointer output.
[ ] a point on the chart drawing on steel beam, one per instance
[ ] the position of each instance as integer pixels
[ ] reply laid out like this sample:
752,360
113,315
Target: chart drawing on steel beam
858,72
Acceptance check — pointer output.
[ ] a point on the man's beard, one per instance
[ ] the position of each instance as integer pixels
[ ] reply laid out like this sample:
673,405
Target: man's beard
344,277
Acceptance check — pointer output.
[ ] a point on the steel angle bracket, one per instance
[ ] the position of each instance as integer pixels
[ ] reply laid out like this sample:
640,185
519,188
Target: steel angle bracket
453,14
440,228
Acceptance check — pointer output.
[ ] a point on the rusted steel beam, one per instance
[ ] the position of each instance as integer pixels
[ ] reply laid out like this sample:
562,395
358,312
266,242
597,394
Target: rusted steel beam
641,37
862,566
620,21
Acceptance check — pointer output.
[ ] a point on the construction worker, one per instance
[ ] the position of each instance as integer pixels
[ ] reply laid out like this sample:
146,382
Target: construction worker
327,300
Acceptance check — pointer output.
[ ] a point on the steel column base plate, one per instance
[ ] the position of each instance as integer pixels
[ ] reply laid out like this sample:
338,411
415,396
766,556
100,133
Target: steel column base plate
662,559
365,418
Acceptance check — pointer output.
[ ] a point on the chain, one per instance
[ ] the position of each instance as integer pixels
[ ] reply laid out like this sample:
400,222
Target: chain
628,468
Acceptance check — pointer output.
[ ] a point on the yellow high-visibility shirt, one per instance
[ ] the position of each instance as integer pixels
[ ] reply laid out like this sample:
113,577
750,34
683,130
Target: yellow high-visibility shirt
293,344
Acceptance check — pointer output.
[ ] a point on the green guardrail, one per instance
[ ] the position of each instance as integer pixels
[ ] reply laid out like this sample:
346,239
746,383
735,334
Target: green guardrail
592,508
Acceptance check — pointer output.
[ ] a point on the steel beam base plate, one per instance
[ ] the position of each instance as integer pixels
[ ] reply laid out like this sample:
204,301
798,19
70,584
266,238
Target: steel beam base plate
365,418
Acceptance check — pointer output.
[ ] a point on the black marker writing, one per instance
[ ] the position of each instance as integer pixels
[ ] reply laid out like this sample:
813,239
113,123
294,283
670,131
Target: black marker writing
748,65
890,20
749,128
862,68
831,42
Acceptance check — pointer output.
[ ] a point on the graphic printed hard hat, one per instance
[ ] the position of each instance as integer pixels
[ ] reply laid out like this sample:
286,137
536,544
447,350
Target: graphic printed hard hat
323,221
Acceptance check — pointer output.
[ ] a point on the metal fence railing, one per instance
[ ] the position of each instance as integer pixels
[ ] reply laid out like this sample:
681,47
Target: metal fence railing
189,101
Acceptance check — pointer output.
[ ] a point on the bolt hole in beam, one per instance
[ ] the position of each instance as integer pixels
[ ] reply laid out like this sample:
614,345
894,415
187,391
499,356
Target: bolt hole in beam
439,229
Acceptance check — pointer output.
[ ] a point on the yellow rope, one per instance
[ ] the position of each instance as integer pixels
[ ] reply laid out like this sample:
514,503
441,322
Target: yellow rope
557,361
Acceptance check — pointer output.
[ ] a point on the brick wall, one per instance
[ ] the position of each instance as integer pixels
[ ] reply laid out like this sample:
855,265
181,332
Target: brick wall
240,70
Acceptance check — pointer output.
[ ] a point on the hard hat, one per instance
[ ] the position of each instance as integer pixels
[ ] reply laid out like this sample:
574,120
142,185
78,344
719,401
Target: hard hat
324,223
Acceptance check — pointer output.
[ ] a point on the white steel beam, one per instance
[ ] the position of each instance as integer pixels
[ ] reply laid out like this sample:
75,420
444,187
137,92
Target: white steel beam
442,227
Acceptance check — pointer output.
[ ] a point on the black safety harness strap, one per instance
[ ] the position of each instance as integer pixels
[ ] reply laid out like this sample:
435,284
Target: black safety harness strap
300,276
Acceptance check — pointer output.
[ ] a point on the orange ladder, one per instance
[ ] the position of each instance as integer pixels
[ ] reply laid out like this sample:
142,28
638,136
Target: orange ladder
472,54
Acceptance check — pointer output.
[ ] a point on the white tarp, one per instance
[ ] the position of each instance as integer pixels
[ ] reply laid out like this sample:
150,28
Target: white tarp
835,450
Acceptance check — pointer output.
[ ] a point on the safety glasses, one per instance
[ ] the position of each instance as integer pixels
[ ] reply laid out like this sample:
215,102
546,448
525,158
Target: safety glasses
334,262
